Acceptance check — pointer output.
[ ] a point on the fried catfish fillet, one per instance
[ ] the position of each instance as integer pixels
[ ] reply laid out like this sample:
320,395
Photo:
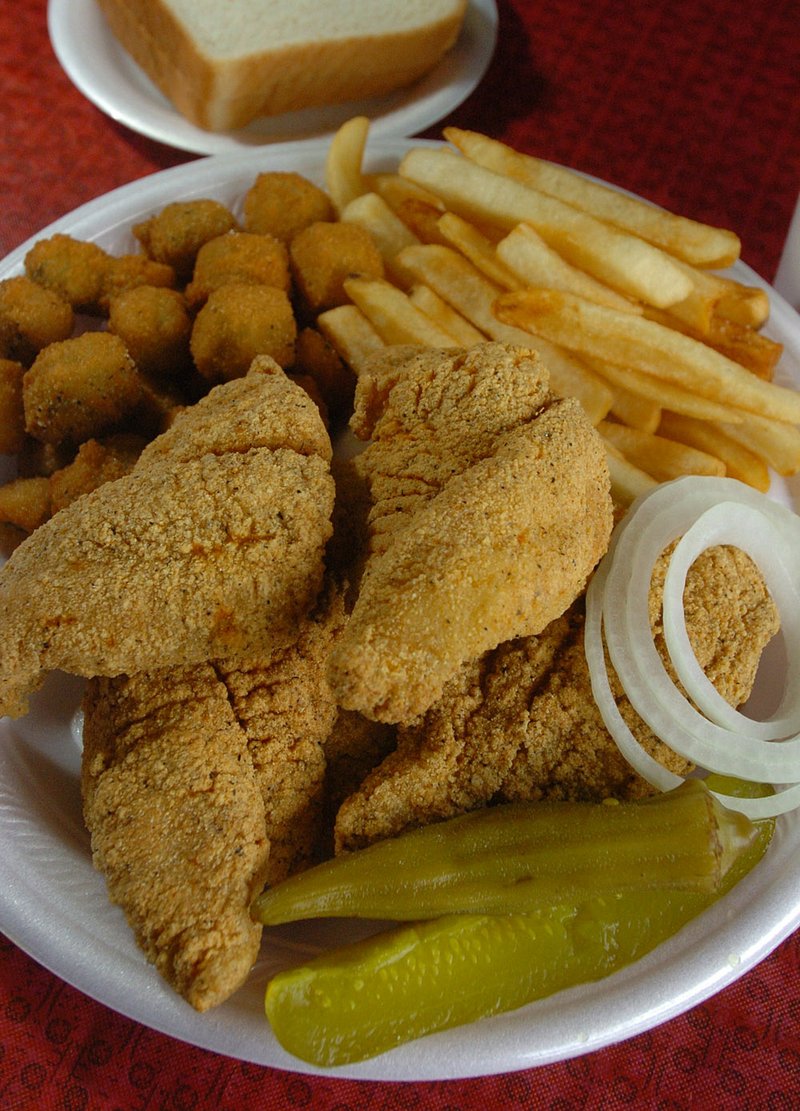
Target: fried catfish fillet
177,823
520,722
201,784
490,507
212,546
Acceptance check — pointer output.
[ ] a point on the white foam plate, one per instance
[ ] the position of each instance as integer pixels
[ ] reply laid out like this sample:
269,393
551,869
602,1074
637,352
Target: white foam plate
54,905
106,74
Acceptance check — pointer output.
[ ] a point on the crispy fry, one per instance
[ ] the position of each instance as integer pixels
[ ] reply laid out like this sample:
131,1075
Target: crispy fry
621,260
648,347
395,318
372,212
456,280
444,315
739,461
657,456
698,243
776,441
627,480
475,246
525,252
349,331
662,393
739,342
343,166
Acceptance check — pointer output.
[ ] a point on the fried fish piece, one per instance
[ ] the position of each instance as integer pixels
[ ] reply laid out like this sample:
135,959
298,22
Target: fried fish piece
177,823
212,546
200,785
520,722
491,506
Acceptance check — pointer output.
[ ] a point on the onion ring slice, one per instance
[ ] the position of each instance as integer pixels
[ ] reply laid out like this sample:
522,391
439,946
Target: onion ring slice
617,607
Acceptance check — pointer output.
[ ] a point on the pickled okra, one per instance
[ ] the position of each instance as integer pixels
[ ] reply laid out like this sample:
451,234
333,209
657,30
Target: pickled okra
516,857
370,996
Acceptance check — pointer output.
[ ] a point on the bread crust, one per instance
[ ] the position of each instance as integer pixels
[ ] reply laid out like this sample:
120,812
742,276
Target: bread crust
220,93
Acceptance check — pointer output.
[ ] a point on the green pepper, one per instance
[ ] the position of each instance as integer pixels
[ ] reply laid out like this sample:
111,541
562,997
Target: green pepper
513,858
366,998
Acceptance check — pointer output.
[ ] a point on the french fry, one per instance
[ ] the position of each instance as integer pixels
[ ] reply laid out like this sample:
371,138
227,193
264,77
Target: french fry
739,461
628,407
422,218
351,334
776,441
743,344
627,480
396,190
648,347
617,258
474,245
392,314
444,315
463,287
344,179
372,212
722,296
535,263
662,393
657,456
697,243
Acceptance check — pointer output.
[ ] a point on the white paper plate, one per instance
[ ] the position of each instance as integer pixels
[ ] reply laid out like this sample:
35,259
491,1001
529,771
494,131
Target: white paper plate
54,906
105,73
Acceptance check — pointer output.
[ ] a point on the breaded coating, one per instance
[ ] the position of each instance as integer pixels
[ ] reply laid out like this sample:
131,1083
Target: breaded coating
72,268
97,461
520,723
203,551
79,388
238,322
176,233
238,258
125,272
491,508
31,317
12,413
282,203
154,324
177,823
201,785
324,254
25,502
286,709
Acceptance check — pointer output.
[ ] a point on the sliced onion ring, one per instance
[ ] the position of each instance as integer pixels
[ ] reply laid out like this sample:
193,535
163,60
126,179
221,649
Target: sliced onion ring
617,606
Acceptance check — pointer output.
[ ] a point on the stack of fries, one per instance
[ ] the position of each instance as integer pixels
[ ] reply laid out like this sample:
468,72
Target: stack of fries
620,298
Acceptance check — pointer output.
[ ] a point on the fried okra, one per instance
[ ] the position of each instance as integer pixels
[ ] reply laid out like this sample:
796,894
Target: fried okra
129,272
72,268
176,233
317,359
25,503
238,258
31,317
324,254
79,388
239,322
283,203
12,414
155,326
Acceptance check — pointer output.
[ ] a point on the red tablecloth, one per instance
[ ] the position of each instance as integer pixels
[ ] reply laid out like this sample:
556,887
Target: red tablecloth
694,104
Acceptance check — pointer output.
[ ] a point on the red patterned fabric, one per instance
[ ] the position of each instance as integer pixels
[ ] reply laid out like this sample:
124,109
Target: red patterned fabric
693,104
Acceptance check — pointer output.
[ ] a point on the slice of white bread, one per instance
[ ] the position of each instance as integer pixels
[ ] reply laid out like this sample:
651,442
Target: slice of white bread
222,63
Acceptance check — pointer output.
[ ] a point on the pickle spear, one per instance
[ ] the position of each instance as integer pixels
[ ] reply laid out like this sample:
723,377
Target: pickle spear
517,857
366,998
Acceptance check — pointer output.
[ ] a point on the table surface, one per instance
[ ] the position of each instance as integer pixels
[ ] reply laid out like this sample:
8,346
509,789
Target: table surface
695,105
